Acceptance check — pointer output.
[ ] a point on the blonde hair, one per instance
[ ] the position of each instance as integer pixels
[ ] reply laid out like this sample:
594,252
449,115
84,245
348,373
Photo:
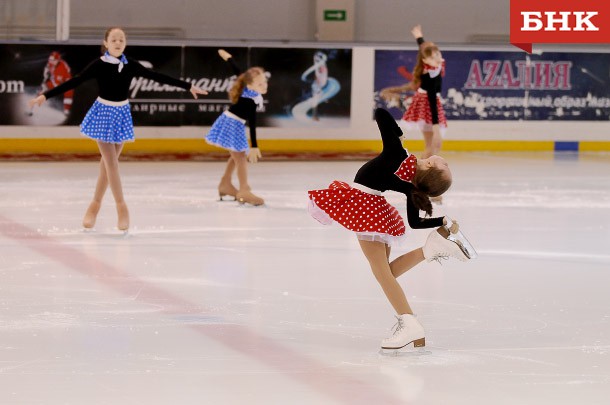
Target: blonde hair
242,81
107,34
426,49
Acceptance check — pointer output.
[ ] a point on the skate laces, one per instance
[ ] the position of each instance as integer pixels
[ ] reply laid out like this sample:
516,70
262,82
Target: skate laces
398,326
440,257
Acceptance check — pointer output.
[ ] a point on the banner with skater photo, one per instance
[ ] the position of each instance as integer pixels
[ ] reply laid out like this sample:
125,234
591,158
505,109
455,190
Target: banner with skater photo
307,87
483,85
29,70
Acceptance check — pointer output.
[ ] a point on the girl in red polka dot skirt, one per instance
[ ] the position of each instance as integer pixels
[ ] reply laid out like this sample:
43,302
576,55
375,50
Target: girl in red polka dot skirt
360,207
426,111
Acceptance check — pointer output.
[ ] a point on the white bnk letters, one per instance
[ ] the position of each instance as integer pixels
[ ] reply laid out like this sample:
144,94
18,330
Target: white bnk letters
532,21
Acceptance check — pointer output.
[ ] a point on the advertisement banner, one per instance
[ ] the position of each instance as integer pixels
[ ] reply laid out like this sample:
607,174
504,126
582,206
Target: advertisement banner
307,87
483,85
37,68
28,70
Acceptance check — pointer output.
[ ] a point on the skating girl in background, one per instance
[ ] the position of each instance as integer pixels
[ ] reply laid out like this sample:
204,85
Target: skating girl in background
361,208
426,110
109,121
229,130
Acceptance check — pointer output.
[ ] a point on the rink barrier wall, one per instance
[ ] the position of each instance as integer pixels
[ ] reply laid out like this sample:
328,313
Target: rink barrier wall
192,147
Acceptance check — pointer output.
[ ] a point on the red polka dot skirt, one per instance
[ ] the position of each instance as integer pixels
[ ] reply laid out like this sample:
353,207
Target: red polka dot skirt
369,215
419,113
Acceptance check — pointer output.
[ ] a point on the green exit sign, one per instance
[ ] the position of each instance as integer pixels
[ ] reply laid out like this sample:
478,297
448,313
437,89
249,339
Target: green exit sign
335,15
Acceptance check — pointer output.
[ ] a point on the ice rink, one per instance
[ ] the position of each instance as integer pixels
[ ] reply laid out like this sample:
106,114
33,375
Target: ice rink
208,302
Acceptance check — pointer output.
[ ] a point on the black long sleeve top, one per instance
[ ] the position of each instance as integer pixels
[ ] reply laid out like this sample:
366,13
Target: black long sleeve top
432,85
245,108
114,85
379,173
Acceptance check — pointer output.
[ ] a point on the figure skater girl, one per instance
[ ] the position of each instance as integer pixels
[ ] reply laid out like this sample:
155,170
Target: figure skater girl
361,208
109,121
426,110
229,130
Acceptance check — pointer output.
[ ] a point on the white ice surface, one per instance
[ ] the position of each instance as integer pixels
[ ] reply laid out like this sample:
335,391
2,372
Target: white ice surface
208,302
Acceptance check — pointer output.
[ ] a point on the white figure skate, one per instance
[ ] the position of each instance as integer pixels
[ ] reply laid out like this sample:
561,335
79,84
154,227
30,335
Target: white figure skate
406,331
442,244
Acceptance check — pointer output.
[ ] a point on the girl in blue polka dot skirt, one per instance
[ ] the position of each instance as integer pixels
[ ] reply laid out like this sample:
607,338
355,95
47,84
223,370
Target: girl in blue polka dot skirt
361,208
109,121
229,130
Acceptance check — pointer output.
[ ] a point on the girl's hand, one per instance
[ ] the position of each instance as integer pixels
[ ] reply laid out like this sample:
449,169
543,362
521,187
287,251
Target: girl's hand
254,154
37,101
196,90
454,227
224,54
417,32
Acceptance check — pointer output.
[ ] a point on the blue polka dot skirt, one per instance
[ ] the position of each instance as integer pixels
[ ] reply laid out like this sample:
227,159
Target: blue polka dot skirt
108,121
228,132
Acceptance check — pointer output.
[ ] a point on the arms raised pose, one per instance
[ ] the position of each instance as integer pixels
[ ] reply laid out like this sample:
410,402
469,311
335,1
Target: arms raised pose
229,130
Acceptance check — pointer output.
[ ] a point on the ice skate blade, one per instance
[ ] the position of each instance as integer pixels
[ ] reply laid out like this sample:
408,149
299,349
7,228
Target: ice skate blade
405,351
246,203
464,245
416,343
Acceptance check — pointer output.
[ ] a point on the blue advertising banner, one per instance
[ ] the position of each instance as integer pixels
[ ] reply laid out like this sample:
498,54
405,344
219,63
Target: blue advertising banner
483,85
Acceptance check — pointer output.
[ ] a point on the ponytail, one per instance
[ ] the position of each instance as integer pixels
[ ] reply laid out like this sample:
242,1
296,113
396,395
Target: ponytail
242,81
238,88
428,183
422,201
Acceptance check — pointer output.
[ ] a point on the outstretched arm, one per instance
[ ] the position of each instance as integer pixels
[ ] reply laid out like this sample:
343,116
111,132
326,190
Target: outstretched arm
165,79
390,131
227,57
88,73
392,94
